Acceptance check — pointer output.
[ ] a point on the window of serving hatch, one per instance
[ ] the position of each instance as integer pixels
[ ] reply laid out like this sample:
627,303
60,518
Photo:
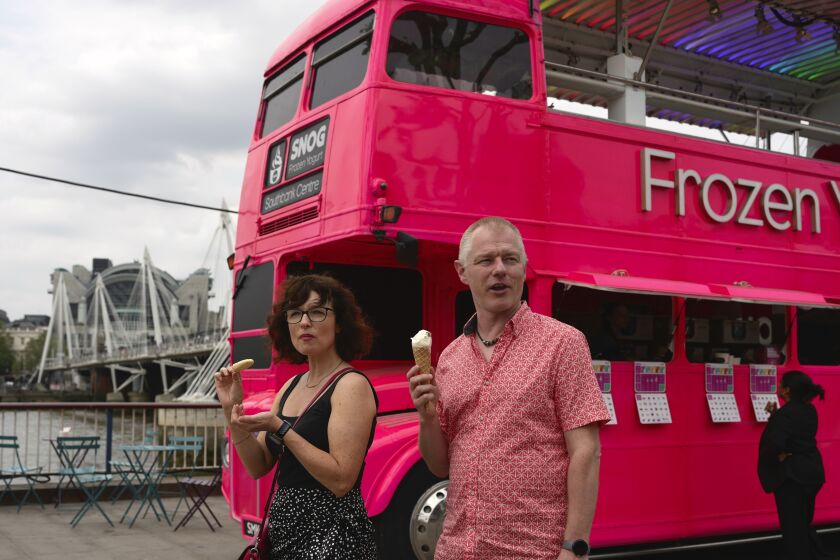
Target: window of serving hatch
818,335
619,326
718,331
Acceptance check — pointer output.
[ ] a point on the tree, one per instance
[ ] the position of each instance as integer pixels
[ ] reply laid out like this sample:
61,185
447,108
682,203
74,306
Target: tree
30,357
7,357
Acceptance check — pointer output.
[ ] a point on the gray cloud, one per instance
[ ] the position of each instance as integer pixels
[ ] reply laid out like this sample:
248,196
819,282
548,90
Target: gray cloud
156,97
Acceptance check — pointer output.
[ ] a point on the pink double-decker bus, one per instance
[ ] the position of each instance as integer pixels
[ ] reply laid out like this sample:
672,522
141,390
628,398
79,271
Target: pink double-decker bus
699,270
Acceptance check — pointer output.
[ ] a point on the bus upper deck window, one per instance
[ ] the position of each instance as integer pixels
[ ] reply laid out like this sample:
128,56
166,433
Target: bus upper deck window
281,94
819,336
452,53
340,61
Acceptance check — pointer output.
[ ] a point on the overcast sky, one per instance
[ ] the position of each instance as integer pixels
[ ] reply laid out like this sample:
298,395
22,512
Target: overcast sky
149,96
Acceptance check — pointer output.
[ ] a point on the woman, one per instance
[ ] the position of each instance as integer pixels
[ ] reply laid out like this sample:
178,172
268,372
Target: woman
790,465
317,510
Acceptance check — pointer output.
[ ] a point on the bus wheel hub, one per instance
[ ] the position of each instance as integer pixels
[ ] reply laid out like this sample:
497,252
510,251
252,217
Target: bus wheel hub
427,520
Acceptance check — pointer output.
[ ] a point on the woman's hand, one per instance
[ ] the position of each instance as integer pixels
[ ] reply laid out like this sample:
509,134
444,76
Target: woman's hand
228,387
261,422
771,407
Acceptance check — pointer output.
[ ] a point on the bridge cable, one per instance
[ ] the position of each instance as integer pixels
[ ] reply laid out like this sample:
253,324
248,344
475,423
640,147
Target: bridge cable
115,191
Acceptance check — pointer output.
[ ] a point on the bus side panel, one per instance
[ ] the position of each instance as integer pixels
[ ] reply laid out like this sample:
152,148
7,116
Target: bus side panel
427,151
393,453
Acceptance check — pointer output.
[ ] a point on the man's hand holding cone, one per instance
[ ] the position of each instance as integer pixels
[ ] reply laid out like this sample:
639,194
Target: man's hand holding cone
421,380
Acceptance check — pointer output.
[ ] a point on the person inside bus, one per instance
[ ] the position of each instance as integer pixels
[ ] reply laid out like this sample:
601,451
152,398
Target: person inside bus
790,465
317,510
605,344
514,417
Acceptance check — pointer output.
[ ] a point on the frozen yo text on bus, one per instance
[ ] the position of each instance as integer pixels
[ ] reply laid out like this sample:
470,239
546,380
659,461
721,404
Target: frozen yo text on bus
771,200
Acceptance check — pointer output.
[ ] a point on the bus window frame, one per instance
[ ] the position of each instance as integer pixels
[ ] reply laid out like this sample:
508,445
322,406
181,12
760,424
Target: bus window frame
304,52
537,91
312,67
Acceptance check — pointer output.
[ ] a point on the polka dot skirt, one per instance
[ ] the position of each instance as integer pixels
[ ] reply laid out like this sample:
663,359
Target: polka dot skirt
314,524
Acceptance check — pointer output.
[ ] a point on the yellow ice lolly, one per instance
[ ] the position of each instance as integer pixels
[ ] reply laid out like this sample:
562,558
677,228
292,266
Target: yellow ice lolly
242,365
421,346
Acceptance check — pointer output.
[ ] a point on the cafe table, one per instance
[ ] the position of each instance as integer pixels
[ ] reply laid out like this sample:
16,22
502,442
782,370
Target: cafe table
149,462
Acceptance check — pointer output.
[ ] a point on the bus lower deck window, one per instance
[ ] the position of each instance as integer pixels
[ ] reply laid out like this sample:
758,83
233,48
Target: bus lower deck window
453,53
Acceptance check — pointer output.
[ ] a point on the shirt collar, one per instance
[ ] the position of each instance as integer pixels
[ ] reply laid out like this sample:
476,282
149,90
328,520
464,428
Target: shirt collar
514,323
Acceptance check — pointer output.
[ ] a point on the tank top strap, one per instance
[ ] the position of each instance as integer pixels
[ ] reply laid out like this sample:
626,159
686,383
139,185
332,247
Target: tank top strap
328,393
288,392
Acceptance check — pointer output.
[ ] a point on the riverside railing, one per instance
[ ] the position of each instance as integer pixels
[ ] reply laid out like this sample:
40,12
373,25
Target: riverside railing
117,424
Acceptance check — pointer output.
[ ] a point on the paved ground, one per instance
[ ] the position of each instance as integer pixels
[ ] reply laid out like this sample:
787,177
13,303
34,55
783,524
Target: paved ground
47,535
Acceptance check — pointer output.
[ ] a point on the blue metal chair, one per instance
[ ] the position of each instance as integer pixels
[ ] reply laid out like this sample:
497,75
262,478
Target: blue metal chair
17,470
86,479
185,444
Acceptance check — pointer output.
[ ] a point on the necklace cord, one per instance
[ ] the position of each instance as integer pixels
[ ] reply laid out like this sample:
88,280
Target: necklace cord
341,361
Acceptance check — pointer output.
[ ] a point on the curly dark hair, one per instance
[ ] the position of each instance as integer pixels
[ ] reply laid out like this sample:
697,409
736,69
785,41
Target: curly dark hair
353,336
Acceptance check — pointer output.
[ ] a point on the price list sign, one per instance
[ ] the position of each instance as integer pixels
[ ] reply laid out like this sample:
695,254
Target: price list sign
651,400
649,377
603,373
762,379
723,407
720,378
608,401
762,389
653,408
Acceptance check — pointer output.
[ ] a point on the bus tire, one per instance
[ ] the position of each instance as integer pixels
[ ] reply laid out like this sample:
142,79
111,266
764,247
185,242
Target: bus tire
408,529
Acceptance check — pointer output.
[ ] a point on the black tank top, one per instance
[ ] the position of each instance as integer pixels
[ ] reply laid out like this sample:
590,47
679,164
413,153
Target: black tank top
313,428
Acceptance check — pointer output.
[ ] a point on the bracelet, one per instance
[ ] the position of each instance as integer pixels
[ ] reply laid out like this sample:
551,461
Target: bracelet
243,439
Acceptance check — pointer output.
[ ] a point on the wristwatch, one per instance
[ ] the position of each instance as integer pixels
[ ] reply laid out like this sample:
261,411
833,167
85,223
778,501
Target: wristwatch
579,547
275,439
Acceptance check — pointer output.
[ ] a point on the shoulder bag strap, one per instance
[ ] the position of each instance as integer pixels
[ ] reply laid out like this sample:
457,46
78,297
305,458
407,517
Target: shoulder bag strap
280,456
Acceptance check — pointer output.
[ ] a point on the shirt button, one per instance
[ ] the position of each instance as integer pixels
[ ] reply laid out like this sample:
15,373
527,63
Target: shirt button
486,382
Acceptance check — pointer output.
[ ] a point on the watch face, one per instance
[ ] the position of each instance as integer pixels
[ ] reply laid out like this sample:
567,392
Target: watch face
580,547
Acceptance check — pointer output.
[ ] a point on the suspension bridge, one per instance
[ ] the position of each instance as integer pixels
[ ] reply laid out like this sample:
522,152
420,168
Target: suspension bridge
145,333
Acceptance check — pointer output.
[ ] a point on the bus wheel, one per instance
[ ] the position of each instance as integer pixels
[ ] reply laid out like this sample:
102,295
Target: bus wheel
410,527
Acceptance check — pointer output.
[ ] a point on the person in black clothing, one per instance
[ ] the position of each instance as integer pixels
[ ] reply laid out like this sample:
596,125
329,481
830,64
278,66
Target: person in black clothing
605,344
790,465
317,511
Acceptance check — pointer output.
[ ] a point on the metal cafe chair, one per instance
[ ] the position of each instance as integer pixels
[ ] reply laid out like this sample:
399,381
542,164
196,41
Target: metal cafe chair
185,444
86,479
18,470
197,490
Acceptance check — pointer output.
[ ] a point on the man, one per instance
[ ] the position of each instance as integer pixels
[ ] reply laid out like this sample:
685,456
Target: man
515,420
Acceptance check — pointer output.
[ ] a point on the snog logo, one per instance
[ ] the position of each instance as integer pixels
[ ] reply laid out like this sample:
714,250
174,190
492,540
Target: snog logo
307,149
303,145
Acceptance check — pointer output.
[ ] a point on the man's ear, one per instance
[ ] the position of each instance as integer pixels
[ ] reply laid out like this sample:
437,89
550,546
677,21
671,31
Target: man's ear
459,269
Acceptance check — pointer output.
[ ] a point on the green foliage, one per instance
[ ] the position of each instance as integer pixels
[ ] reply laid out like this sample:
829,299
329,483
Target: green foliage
29,359
7,357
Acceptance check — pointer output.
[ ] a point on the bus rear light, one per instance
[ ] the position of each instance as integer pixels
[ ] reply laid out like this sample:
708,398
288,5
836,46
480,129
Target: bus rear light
390,214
